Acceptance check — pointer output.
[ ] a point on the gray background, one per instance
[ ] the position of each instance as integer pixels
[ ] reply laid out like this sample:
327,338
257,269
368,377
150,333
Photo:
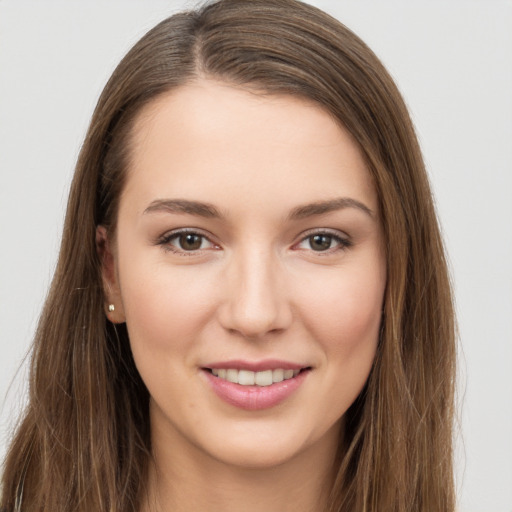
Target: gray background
453,62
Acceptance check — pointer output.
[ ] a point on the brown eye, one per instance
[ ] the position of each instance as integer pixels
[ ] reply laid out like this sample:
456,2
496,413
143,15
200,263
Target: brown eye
190,241
186,242
320,242
324,241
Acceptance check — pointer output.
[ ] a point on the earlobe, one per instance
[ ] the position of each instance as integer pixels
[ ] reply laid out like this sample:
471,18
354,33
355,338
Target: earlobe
113,306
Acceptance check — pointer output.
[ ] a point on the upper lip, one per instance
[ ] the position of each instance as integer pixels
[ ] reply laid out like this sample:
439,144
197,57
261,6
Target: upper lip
256,366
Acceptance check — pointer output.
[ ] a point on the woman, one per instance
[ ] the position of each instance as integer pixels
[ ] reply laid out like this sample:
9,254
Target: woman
251,308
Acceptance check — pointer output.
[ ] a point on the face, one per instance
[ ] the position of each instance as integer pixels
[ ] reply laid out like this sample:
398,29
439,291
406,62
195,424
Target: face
249,269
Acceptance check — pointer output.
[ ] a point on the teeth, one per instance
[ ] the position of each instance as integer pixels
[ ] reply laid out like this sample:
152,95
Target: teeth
232,376
263,378
248,378
277,375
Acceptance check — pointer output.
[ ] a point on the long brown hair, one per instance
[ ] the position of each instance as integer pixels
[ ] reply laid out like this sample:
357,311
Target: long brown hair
83,443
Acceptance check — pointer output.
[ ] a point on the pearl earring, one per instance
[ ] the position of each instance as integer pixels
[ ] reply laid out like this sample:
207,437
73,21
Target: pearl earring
111,307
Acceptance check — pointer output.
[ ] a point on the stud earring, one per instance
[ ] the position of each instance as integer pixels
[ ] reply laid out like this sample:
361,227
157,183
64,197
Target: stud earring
111,307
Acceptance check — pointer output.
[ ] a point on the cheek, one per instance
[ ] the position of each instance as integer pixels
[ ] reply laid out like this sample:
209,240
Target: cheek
164,306
344,311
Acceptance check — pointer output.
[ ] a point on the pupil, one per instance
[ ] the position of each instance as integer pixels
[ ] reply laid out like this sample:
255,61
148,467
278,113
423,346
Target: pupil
190,242
320,242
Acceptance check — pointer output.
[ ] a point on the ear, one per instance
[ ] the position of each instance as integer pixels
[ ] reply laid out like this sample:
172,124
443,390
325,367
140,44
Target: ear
111,290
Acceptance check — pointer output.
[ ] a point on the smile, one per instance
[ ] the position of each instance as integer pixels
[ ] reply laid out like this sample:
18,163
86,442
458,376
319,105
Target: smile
250,378
261,387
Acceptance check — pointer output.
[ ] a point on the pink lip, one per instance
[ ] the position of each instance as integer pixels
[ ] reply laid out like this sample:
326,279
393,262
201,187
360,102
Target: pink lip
253,398
256,366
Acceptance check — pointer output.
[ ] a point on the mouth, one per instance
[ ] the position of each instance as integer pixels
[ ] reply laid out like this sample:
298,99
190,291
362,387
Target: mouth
261,378
255,386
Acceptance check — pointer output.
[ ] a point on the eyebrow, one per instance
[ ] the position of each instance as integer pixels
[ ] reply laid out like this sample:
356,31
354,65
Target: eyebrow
183,206
322,207
207,210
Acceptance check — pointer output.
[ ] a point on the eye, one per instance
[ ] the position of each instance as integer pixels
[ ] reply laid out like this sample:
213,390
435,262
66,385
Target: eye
189,241
323,242
186,242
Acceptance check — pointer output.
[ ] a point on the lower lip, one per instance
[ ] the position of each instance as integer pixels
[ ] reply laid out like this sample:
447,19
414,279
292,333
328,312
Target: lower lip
253,398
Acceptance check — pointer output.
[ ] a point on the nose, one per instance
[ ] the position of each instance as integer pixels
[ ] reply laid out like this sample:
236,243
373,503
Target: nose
255,302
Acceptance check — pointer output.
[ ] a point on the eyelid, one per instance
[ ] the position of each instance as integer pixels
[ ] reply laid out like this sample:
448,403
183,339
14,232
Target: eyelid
165,239
343,239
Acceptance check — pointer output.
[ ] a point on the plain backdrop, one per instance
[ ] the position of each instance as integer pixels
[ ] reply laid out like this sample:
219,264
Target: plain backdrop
453,62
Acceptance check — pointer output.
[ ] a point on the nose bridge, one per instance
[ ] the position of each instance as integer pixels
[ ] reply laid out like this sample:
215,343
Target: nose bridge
256,303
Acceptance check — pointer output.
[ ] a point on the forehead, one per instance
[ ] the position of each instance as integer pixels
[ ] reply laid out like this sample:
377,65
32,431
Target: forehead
219,143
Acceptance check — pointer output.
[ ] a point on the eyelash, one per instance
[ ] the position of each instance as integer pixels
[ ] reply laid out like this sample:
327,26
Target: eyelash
165,241
342,243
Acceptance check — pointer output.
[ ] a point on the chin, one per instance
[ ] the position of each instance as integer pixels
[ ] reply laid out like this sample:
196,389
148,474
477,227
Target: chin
268,449
256,458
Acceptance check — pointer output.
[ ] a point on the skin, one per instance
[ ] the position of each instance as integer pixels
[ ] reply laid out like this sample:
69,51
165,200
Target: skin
257,288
